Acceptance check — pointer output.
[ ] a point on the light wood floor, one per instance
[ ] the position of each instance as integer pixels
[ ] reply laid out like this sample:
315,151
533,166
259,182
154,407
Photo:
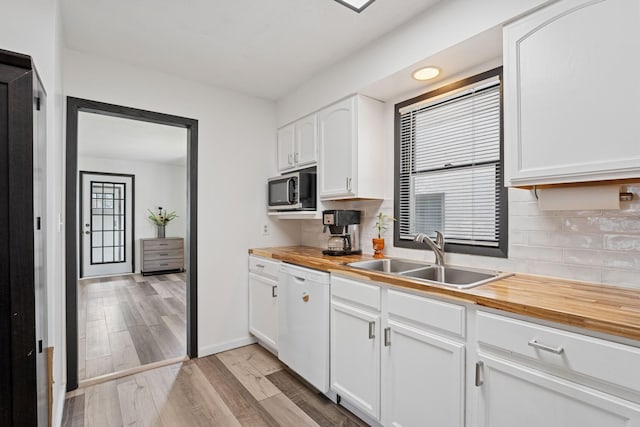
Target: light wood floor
243,387
128,321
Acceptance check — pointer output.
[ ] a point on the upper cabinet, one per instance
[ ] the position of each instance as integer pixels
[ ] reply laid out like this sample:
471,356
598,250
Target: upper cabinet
571,98
351,152
297,145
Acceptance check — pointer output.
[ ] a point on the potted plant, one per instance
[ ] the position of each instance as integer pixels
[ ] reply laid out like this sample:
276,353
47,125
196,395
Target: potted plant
381,225
161,219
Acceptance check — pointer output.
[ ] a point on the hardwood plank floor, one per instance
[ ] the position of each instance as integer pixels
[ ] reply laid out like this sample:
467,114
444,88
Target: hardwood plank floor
218,390
129,321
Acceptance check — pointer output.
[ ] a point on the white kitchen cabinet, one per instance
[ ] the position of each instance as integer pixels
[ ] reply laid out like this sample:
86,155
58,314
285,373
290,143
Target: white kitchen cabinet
263,301
355,357
512,394
355,344
570,99
534,375
351,149
422,365
297,144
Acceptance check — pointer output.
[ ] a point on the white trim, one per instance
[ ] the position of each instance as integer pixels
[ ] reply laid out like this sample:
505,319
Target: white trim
224,346
58,405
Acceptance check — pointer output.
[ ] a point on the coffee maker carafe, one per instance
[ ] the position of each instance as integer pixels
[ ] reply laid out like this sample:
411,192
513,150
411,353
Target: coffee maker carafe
345,234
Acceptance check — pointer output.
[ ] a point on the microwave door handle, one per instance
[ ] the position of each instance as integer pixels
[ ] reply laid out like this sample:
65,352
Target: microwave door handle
289,181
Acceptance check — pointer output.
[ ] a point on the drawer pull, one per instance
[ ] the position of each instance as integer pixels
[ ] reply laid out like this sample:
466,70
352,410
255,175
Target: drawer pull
372,330
478,379
163,254
259,265
387,337
273,291
165,264
555,350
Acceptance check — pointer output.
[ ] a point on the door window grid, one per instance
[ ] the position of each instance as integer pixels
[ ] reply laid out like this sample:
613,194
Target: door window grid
108,222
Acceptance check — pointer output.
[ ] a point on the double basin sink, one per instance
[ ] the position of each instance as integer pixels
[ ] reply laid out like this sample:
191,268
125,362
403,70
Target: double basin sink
455,277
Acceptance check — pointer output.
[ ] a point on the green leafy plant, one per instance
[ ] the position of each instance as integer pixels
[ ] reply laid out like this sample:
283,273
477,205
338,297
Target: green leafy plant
381,223
161,218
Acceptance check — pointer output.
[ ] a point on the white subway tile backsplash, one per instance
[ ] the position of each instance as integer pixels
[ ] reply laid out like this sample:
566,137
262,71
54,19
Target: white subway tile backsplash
536,253
565,239
593,246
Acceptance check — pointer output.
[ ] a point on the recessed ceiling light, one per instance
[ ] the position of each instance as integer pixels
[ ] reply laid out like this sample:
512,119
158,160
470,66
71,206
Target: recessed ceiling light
357,5
426,73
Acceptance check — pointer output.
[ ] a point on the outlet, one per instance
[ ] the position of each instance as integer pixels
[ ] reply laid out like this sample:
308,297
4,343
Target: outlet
265,229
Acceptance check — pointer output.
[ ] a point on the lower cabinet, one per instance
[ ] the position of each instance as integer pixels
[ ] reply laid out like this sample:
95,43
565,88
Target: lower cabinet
423,378
388,361
512,394
263,301
355,357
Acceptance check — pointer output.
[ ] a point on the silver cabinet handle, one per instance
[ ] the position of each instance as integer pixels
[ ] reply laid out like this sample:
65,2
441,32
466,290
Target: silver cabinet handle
387,337
478,380
555,350
372,330
289,159
296,157
273,291
259,266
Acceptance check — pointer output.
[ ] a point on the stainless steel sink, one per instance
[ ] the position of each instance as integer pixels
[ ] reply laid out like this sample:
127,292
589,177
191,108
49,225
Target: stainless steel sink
456,277
388,265
460,278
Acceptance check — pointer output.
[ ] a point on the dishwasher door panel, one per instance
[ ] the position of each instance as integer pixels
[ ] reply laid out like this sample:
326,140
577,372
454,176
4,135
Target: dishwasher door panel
303,337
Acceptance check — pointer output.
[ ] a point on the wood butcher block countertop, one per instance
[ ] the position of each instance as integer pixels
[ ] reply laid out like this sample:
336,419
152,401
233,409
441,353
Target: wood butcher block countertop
607,309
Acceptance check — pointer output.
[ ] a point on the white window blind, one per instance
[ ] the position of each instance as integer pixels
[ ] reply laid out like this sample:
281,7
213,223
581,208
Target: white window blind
450,170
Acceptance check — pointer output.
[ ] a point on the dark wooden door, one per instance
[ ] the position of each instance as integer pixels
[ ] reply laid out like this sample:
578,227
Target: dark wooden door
23,320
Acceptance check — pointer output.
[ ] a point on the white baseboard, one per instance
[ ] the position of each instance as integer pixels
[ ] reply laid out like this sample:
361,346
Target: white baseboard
224,346
58,405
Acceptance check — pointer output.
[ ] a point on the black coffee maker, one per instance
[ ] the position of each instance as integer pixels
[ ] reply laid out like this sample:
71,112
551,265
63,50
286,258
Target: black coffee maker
345,234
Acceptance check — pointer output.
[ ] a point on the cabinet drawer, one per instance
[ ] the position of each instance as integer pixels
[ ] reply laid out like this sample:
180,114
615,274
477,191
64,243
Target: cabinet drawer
597,358
264,266
170,264
158,244
431,313
360,293
163,254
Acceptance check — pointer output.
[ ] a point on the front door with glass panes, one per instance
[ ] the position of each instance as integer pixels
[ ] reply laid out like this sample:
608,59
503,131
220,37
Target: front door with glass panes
107,226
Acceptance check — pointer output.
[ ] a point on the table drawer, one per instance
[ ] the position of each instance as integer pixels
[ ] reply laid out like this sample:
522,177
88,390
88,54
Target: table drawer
170,264
361,293
264,266
163,254
159,244
597,358
428,312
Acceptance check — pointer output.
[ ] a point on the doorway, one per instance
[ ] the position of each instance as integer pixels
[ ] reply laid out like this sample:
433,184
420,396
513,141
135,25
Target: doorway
103,244
107,229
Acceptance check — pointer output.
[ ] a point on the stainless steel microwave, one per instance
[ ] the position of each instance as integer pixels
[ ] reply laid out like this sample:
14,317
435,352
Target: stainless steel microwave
292,192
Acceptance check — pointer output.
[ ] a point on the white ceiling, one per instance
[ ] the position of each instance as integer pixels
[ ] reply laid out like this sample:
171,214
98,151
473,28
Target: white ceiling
264,48
109,137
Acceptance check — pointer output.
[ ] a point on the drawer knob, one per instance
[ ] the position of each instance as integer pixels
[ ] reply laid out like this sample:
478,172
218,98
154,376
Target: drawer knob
539,346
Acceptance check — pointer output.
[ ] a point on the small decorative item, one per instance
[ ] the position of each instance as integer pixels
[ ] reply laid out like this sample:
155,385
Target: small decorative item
381,225
161,219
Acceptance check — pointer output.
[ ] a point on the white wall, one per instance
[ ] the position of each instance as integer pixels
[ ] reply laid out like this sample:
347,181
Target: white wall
156,184
446,24
236,155
33,27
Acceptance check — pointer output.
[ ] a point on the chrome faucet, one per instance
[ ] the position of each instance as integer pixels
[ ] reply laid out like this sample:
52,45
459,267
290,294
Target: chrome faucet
437,247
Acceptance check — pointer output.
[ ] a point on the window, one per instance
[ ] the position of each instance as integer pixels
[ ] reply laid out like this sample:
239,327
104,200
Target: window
449,163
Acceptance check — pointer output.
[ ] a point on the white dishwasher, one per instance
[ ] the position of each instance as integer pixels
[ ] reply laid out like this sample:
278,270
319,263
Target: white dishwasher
303,323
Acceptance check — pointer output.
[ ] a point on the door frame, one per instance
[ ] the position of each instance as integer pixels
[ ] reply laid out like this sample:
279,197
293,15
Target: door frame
74,107
133,214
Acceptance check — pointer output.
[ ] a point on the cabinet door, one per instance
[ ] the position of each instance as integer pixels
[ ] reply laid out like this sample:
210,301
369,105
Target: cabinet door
571,102
337,134
263,310
286,139
514,395
355,357
423,379
306,137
